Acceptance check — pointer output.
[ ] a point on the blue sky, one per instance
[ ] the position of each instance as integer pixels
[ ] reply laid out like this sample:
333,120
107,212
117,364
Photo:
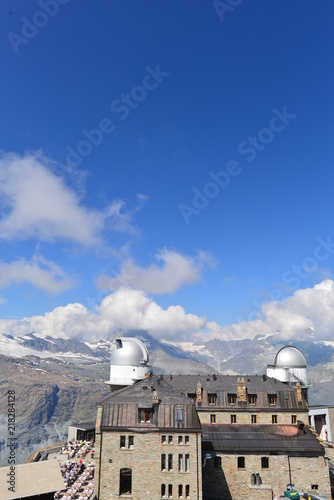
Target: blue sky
179,149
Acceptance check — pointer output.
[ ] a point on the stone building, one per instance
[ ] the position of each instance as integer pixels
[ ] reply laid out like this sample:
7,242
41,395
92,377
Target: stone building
206,437
253,399
258,461
148,443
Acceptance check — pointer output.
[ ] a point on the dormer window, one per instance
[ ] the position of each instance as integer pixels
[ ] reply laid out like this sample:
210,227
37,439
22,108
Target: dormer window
252,399
192,396
145,415
212,399
272,399
232,399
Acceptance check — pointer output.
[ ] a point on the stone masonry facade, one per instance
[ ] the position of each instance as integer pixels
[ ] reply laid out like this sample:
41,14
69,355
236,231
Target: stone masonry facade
227,481
245,417
144,459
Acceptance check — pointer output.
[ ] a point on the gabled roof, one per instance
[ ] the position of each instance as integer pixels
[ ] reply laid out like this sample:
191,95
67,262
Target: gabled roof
141,392
120,408
266,439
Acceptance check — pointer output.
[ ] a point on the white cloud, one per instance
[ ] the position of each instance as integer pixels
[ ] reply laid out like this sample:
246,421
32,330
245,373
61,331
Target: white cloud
120,216
3,300
307,312
125,308
35,202
38,271
175,271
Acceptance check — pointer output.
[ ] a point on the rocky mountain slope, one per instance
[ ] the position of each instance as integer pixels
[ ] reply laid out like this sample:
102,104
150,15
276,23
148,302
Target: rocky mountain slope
58,382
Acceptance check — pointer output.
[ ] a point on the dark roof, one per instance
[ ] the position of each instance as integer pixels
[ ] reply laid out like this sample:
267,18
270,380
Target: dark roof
141,392
268,439
213,383
223,385
120,408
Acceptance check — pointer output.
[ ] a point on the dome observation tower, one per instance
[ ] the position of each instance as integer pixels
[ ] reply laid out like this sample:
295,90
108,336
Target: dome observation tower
288,365
129,362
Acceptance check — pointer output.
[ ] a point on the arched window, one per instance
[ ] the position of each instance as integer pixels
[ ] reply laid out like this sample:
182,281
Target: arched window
125,481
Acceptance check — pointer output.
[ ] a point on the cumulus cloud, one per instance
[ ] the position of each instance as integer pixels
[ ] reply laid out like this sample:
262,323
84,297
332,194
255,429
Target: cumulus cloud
173,271
309,312
35,202
39,272
125,309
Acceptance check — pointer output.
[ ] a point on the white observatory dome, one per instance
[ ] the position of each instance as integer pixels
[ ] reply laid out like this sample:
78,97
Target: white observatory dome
290,357
129,351
288,365
129,362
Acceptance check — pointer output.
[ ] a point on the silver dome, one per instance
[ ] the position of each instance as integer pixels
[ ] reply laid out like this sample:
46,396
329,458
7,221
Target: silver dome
290,357
129,351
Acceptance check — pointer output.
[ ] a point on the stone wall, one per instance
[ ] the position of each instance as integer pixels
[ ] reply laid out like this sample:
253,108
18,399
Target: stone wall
228,482
144,460
244,417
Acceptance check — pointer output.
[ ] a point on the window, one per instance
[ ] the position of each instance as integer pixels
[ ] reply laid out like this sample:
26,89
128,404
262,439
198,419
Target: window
170,439
212,419
264,463
233,419
180,490
187,490
122,442
187,462
163,438
163,490
293,419
241,462
179,415
125,482
192,396
218,462
170,461
212,399
131,441
253,419
186,439
252,399
163,462
179,440
145,415
274,419
170,491
231,399
314,486
180,462
272,399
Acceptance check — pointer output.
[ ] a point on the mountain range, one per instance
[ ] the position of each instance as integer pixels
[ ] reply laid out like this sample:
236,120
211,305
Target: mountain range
60,381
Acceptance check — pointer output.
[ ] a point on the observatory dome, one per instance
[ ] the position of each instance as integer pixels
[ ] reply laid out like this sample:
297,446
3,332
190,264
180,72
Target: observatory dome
290,357
129,352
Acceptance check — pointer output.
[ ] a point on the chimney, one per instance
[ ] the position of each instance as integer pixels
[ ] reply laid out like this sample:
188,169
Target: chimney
155,407
299,393
155,398
241,390
199,392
